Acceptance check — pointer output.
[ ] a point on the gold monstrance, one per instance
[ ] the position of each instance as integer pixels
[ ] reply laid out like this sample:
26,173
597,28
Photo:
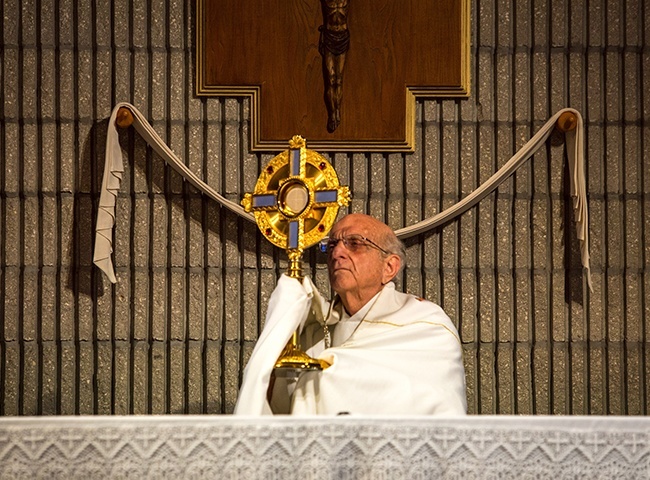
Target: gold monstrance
295,203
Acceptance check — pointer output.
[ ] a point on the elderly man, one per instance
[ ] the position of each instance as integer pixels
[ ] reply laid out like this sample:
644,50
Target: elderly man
388,352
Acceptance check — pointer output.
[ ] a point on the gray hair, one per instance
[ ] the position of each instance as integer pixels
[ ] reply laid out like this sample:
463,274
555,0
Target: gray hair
394,245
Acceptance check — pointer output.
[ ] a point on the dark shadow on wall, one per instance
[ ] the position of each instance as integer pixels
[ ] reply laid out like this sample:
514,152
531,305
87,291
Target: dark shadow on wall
574,276
573,271
81,279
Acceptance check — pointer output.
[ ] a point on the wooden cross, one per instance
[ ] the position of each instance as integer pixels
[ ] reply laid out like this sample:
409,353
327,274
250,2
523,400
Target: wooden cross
268,51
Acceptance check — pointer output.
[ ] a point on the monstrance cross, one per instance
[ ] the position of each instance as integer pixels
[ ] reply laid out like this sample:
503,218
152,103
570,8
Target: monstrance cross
295,203
296,200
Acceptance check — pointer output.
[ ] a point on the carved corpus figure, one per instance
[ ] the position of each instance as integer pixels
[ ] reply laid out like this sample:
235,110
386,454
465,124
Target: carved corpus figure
333,45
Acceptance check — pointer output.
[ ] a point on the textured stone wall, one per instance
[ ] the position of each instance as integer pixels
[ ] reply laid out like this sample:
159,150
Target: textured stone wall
173,335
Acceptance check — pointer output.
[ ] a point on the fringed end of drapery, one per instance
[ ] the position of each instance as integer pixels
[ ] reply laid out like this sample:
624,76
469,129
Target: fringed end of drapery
111,183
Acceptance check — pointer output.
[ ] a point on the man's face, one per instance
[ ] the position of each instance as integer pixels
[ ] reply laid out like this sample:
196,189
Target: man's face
360,272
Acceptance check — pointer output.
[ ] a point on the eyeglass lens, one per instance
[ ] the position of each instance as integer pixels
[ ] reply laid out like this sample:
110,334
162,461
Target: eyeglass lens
352,243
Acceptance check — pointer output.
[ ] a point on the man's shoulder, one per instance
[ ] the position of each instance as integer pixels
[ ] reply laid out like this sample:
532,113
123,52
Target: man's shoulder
422,304
410,315
412,307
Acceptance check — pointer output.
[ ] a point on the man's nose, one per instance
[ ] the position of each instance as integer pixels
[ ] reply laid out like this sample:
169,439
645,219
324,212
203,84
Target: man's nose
339,249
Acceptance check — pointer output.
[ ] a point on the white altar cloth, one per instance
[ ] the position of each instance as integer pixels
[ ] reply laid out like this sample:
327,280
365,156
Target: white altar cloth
350,447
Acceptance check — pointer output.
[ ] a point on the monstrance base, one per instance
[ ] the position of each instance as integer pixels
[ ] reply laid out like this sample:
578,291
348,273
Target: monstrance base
293,362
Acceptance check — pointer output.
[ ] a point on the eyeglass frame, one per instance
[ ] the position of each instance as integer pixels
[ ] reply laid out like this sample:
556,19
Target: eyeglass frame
323,245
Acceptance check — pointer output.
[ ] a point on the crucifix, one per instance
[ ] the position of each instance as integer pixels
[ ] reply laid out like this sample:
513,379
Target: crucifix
283,53
333,46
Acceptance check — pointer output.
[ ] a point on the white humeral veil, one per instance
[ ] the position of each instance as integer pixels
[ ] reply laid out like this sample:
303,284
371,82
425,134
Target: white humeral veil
288,308
405,358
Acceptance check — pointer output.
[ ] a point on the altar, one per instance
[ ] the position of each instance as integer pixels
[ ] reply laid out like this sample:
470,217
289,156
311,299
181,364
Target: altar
343,447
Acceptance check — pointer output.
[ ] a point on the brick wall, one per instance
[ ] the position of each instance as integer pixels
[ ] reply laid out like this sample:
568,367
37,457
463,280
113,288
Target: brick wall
173,334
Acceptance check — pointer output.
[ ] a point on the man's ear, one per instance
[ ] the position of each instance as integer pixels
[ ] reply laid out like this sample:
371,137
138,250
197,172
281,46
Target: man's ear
392,264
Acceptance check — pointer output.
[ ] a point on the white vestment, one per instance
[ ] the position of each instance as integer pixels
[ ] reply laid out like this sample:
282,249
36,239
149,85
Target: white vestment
403,358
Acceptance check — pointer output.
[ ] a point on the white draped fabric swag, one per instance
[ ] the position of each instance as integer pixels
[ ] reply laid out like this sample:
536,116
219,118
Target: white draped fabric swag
113,170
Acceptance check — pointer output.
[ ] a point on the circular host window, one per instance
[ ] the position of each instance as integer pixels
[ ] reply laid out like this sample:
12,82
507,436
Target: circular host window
293,198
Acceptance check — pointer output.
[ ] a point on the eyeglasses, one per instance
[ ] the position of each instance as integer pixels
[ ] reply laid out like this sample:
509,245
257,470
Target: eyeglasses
352,242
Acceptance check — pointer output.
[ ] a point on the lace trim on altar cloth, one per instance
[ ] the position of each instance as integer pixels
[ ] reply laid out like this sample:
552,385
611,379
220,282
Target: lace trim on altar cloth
228,447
